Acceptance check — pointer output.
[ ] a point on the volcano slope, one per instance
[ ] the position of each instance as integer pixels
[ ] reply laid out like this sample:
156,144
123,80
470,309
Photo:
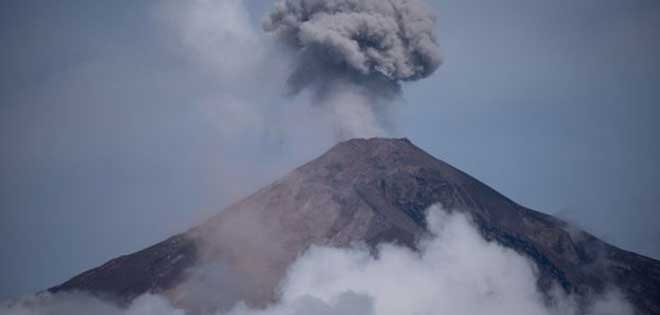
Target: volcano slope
369,191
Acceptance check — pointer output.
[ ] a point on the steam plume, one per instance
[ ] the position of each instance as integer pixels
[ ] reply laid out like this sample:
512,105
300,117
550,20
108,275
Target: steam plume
365,48
456,272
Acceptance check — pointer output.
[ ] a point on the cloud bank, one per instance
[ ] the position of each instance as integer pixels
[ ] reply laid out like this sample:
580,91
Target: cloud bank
82,303
455,271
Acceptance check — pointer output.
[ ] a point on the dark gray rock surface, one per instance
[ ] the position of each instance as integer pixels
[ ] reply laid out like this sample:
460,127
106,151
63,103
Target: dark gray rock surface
369,191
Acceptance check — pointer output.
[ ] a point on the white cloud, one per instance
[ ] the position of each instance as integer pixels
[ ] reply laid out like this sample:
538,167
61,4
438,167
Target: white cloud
81,303
456,272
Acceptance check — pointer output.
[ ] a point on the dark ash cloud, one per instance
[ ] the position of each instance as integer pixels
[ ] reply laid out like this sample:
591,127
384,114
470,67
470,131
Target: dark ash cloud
352,55
394,39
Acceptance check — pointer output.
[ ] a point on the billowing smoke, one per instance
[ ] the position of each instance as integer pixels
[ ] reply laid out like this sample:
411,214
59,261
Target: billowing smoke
455,271
392,40
362,48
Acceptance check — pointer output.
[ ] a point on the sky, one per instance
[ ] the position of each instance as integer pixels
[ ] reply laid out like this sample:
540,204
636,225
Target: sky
123,123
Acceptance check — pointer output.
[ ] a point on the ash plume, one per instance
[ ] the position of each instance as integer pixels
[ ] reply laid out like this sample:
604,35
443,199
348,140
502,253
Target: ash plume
365,48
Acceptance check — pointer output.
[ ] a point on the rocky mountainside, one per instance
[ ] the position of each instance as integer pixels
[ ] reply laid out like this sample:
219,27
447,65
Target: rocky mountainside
369,191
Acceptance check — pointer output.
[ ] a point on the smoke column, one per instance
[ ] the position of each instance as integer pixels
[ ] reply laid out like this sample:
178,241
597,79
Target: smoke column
352,55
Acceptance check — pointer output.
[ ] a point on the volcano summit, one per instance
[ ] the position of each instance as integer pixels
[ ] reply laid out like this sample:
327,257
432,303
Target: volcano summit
361,191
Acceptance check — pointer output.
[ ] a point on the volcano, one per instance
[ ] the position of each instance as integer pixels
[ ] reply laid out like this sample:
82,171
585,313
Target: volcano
370,191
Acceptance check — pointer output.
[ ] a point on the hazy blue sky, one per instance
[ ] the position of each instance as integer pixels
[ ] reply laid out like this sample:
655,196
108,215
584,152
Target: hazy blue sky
114,131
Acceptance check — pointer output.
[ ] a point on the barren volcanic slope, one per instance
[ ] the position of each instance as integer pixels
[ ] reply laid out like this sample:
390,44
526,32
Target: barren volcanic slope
374,191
